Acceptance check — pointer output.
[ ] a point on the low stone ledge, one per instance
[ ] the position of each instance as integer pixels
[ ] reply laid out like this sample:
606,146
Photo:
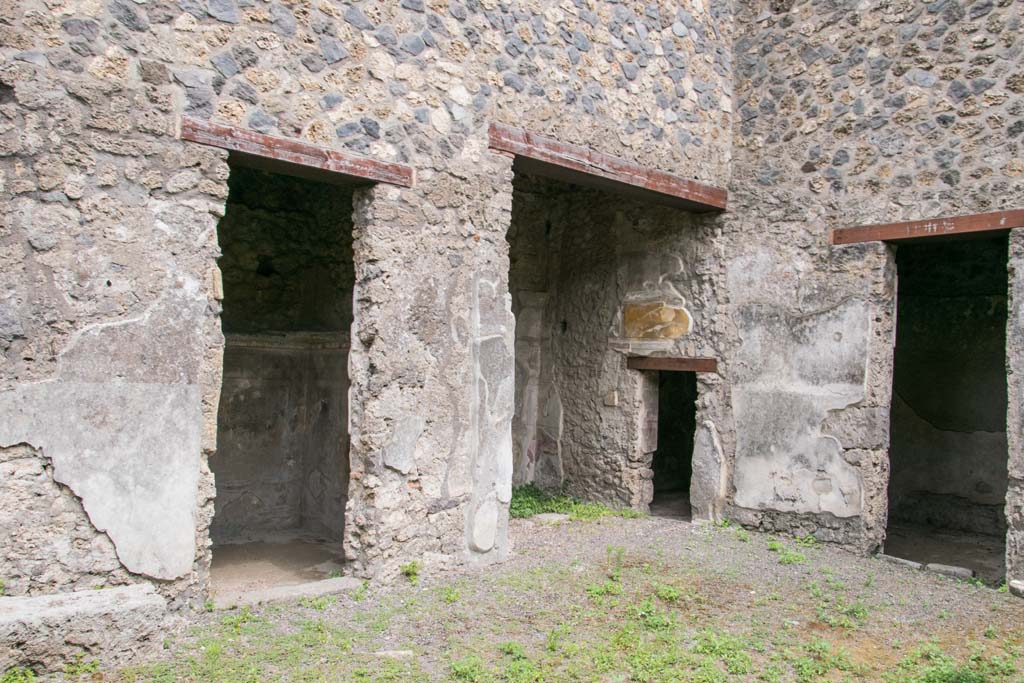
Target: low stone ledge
910,564
311,589
962,573
111,626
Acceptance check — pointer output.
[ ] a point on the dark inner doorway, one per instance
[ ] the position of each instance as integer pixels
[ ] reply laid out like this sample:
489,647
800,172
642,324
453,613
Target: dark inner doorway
281,466
948,451
673,459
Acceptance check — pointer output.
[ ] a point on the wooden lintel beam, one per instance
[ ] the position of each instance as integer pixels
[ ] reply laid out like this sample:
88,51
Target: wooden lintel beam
995,221
294,157
546,157
672,364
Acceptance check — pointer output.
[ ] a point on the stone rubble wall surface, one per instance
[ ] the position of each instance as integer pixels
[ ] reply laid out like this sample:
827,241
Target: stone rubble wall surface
110,294
109,290
890,111
48,541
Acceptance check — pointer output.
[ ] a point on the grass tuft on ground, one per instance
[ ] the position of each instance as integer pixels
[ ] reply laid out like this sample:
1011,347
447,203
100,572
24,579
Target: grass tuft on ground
528,500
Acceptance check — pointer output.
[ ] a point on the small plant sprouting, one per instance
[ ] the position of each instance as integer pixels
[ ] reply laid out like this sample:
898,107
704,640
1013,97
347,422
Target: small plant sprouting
792,557
807,541
208,606
742,535
79,667
609,587
668,593
411,571
615,553
512,649
236,621
19,675
650,616
360,593
786,556
450,595
469,669
555,636
319,603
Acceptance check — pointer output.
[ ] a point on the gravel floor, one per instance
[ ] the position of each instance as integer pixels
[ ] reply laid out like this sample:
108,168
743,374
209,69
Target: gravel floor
624,600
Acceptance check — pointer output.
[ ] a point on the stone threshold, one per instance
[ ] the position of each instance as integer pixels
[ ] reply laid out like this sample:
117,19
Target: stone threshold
297,591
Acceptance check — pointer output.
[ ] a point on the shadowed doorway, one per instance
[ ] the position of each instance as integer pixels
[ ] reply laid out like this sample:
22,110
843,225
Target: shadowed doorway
673,459
948,448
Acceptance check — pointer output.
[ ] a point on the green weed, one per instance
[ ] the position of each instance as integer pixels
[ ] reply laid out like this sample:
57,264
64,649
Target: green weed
808,541
80,666
668,593
469,669
650,616
614,555
839,613
792,557
18,675
609,587
411,571
512,649
319,603
528,500
236,621
449,595
555,637
725,647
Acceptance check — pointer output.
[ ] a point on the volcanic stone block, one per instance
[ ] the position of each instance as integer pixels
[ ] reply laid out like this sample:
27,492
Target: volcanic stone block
111,626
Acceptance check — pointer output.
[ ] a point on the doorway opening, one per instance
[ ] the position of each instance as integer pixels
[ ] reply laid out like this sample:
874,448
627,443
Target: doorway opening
281,466
673,459
948,449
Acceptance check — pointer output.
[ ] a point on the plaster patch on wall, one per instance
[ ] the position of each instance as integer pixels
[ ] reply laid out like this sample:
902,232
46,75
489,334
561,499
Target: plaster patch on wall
400,451
795,371
708,480
130,452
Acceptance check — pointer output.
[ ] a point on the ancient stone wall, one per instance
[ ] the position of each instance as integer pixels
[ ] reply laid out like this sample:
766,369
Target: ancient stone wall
110,293
847,116
108,288
48,540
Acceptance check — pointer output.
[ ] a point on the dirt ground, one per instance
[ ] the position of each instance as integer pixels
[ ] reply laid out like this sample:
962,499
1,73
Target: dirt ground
617,599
